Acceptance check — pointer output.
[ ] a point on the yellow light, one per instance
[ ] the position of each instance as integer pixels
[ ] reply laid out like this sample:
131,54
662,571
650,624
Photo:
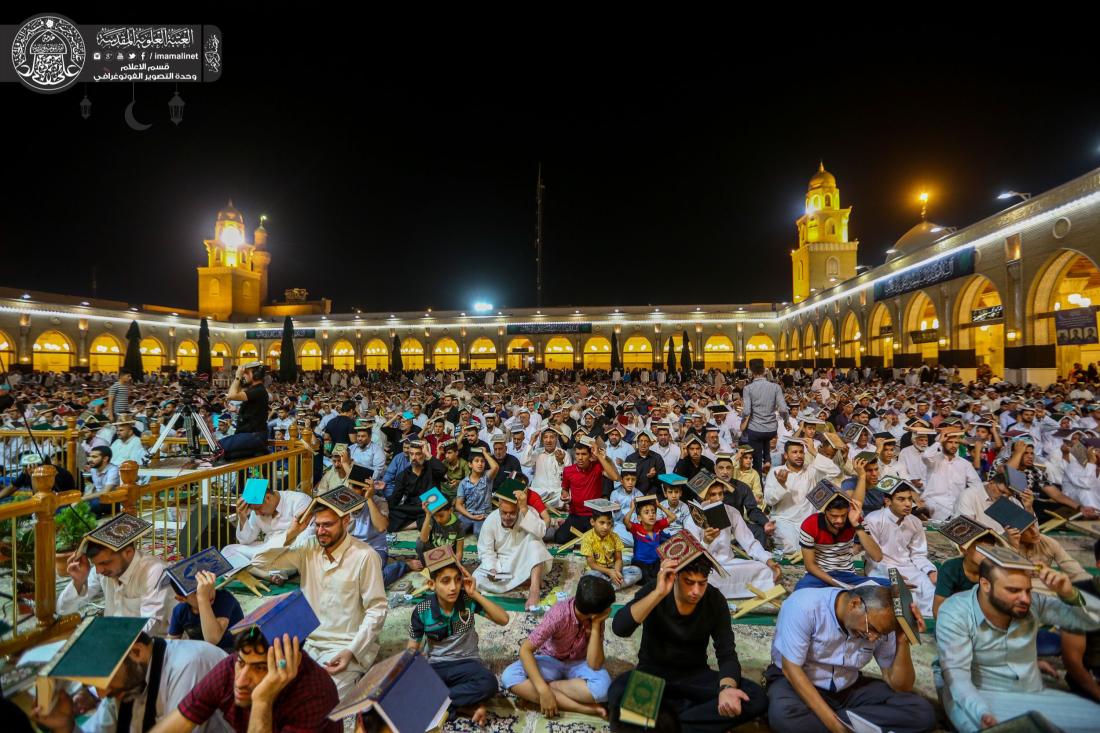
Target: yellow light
1011,335
943,342
923,197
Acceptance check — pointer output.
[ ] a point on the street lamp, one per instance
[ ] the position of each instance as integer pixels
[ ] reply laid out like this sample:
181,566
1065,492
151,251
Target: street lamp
1010,194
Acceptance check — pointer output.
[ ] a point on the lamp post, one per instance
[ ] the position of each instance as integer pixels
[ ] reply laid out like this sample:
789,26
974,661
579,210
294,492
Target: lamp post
1010,194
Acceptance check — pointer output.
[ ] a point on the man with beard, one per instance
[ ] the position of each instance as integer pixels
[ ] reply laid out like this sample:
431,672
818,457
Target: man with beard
511,549
424,472
341,578
692,460
128,580
665,447
648,464
260,688
680,614
949,474
154,670
787,486
986,642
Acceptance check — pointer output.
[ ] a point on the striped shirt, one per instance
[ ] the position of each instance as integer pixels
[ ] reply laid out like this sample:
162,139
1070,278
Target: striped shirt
121,393
831,551
762,399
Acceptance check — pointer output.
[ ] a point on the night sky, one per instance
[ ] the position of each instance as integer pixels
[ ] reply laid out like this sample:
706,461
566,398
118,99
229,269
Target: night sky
403,176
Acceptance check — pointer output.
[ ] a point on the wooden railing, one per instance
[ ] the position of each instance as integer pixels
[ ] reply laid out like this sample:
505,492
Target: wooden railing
189,512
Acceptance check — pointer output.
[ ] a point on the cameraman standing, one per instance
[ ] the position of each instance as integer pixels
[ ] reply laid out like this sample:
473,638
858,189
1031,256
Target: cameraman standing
250,438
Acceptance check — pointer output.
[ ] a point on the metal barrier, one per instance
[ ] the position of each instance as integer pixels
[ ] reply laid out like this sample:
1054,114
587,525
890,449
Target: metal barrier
189,511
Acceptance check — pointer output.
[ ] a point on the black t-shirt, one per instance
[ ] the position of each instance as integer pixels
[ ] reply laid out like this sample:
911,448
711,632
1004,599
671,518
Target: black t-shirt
253,414
340,428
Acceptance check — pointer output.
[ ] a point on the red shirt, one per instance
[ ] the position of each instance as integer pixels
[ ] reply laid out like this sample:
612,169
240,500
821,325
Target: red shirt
302,707
535,501
582,486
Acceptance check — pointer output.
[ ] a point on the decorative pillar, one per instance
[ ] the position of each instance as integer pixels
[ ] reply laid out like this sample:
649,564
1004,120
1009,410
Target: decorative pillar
82,342
25,339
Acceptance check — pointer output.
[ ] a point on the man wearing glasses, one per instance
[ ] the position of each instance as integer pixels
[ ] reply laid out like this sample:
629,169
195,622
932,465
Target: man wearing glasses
823,638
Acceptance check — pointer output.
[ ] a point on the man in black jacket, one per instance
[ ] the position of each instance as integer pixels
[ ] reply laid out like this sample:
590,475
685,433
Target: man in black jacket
680,614
423,473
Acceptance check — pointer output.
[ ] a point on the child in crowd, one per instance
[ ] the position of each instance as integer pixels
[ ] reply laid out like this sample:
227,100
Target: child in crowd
649,532
900,536
560,663
474,500
674,507
624,496
442,629
603,550
206,613
440,528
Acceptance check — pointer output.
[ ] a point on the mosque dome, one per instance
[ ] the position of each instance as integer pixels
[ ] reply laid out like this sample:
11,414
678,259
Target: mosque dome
919,237
823,178
230,213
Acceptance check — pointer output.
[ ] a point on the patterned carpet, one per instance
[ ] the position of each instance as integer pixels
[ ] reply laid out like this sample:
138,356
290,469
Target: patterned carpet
499,644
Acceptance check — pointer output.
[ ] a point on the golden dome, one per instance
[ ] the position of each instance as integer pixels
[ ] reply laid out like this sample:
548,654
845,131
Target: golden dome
823,178
230,213
919,237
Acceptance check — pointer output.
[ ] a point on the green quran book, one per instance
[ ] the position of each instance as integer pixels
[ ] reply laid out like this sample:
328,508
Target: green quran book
91,655
642,699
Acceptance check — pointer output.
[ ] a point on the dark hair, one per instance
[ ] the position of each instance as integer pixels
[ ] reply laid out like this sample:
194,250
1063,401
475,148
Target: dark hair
433,573
986,569
250,640
347,405
594,595
105,450
144,638
790,444
837,502
698,566
122,373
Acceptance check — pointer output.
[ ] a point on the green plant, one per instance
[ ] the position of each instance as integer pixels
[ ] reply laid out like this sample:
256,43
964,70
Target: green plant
72,523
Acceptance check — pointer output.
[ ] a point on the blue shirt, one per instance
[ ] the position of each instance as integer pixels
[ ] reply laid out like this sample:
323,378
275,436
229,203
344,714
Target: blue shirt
363,528
477,498
399,463
186,623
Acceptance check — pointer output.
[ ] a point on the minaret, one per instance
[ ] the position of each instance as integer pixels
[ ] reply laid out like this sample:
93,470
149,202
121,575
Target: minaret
261,258
824,256
229,285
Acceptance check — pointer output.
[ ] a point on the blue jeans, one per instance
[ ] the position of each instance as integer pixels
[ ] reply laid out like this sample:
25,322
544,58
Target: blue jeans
244,445
553,669
392,571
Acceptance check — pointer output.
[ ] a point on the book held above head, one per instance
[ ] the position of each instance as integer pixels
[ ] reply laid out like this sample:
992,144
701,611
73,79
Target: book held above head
403,690
184,574
116,533
342,500
1010,515
1008,559
289,613
963,531
682,548
824,492
602,507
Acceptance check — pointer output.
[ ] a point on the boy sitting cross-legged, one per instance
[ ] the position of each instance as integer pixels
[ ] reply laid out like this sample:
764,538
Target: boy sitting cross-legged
560,664
442,628
602,549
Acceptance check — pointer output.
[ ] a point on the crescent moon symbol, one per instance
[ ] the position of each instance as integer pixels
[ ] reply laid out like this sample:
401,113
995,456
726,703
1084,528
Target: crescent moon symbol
132,121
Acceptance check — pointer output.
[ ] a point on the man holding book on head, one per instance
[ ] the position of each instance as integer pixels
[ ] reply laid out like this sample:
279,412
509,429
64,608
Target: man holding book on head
341,577
109,564
986,638
680,614
150,677
511,549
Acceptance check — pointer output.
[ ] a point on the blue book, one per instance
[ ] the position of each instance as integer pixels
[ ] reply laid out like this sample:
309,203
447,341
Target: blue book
435,499
184,574
254,490
672,479
289,613
403,690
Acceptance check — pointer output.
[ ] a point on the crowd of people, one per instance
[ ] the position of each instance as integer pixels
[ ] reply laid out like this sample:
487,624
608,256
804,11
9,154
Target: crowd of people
760,468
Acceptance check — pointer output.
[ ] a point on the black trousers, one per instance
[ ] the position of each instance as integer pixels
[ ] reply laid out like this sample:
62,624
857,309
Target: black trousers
563,535
872,700
761,448
693,699
402,514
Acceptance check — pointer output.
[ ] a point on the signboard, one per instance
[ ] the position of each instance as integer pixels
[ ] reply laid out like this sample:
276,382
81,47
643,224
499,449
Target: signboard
277,333
520,350
886,329
522,329
1075,326
927,336
946,268
991,313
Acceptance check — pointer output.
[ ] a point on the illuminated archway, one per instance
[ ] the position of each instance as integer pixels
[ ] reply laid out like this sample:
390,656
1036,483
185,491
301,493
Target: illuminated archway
597,353
796,345
219,352
445,355
783,355
828,340
412,354
7,352
521,353
980,299
105,354
850,336
1068,280
718,353
310,356
152,354
761,346
883,339
920,323
376,356
483,354
53,352
187,356
637,353
343,356
247,352
274,353
558,354
809,343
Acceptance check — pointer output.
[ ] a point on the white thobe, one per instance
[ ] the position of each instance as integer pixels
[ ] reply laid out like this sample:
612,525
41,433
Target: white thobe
912,463
789,507
546,474
894,468
510,554
140,592
1086,482
973,502
521,454
741,572
273,528
947,477
130,450
346,593
669,453
186,662
905,547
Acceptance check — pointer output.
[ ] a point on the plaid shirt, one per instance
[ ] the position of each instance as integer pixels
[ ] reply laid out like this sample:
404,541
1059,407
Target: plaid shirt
302,707
560,634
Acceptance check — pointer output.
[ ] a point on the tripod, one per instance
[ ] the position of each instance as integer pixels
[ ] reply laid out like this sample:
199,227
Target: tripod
190,420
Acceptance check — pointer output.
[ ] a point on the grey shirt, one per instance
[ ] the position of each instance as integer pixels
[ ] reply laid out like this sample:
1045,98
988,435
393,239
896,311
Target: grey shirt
762,399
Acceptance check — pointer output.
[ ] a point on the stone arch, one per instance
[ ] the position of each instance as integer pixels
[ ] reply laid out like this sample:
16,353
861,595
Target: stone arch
1068,278
521,353
483,354
187,356
637,352
921,316
446,354
376,355
761,346
985,337
53,352
827,349
247,352
597,353
883,339
558,353
343,356
219,352
412,353
851,337
152,354
718,352
310,356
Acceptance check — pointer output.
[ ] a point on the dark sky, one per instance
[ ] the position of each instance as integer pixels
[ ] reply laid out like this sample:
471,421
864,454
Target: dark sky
402,176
